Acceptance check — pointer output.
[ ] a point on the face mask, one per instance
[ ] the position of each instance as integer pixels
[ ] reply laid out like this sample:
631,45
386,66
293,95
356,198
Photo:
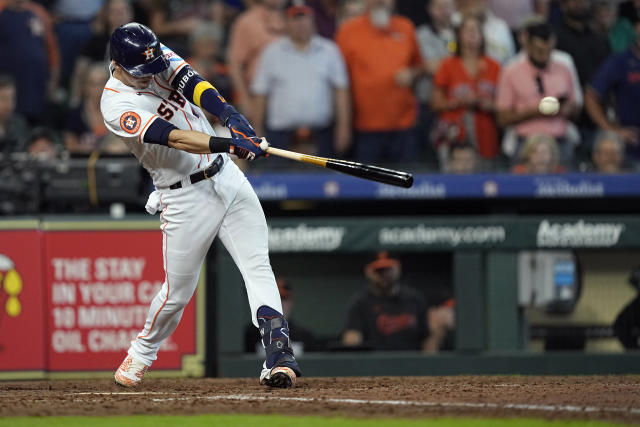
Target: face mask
380,17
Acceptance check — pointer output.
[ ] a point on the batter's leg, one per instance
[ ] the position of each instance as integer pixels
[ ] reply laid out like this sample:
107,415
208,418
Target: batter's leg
245,235
190,221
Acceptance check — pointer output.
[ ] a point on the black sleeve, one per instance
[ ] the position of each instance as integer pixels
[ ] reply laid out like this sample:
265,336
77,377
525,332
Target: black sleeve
158,132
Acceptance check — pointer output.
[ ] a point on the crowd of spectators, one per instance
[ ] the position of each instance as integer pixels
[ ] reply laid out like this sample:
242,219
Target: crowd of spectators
440,85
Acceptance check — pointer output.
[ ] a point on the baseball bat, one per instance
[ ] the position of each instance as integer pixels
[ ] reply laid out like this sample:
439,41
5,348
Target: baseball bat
370,172
361,170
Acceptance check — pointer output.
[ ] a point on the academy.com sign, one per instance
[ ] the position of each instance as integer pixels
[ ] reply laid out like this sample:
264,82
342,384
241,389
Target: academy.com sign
578,234
304,238
442,235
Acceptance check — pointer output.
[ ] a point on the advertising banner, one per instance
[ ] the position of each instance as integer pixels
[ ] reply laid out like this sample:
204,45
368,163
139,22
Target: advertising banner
99,288
22,301
453,233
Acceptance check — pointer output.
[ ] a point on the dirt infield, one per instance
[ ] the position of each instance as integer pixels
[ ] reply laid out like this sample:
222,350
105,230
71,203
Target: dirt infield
612,398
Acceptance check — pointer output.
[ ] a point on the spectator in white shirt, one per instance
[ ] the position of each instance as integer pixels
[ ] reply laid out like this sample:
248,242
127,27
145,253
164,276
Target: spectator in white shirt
301,90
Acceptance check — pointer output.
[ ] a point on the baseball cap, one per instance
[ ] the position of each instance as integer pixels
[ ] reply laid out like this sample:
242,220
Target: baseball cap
381,261
298,8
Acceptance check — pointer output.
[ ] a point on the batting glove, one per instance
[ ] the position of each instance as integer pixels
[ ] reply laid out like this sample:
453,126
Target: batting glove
246,148
237,123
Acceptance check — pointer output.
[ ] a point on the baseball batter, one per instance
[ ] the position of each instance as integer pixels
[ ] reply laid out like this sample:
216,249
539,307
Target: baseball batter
154,101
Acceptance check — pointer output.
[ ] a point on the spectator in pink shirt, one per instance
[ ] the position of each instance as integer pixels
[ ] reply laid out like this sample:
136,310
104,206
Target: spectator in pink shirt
521,86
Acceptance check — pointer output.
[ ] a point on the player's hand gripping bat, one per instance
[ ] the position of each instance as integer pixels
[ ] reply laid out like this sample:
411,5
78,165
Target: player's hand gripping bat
374,173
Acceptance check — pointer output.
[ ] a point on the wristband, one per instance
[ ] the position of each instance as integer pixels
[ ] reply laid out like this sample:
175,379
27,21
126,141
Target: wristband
219,145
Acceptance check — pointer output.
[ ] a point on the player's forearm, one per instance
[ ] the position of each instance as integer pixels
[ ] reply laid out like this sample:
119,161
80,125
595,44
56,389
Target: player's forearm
189,141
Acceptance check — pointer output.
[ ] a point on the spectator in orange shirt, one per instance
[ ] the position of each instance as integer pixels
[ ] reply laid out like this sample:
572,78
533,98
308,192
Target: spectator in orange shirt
464,94
383,59
252,31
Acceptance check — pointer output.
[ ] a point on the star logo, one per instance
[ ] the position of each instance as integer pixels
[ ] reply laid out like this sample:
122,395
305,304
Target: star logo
148,53
130,122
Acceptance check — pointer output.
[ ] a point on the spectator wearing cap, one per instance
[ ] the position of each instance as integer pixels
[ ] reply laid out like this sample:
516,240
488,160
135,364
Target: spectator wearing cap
251,32
305,340
302,86
619,76
383,59
528,79
387,315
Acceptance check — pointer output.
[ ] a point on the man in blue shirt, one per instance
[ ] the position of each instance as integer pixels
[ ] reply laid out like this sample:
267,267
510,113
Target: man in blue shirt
619,76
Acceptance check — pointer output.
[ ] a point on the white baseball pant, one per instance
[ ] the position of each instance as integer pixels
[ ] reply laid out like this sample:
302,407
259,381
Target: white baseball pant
192,216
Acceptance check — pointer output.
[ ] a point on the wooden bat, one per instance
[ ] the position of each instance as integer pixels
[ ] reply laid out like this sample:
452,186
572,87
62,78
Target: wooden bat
373,173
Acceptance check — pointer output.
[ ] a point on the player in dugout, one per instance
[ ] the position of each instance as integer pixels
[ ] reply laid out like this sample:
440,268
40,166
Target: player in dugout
154,101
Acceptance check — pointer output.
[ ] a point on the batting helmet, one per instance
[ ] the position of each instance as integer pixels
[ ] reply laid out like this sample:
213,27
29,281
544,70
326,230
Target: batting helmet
136,48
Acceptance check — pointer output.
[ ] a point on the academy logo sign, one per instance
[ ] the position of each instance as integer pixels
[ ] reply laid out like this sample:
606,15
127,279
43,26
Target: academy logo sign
304,238
578,234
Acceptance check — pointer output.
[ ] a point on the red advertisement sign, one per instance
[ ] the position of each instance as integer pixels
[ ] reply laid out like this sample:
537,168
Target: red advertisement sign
22,331
99,287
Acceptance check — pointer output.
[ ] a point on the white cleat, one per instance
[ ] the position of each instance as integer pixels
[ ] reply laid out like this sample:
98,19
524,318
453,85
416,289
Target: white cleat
130,372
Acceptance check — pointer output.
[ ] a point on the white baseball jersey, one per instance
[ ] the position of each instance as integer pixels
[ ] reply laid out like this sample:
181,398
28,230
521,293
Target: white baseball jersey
128,113
224,205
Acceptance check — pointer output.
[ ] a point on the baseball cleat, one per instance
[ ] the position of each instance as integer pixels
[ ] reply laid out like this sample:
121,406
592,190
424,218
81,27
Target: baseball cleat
130,372
278,377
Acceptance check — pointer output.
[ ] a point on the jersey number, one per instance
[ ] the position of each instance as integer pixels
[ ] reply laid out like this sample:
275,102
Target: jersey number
164,111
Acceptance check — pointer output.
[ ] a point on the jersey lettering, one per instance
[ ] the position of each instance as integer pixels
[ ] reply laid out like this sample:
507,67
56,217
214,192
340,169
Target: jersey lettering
175,97
164,111
185,78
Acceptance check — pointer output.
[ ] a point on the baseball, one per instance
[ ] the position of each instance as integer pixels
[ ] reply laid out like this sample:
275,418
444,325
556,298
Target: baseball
264,144
549,106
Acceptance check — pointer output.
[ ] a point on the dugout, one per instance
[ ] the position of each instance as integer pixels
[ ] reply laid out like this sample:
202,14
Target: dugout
478,257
